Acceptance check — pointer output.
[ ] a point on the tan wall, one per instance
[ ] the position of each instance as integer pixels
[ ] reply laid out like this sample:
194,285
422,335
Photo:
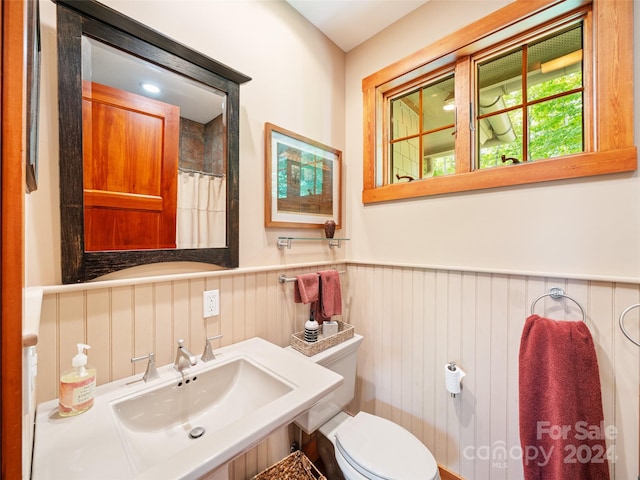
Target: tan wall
297,83
414,320
550,228
583,227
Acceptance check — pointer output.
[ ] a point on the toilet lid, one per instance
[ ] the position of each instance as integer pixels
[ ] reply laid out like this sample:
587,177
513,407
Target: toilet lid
381,449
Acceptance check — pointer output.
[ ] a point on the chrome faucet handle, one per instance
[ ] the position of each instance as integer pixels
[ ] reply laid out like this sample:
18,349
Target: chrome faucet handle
208,355
151,373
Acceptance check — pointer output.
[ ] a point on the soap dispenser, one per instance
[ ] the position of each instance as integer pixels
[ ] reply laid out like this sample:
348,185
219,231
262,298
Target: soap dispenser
77,385
311,329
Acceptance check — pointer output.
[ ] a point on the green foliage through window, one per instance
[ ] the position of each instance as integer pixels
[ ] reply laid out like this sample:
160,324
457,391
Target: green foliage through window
554,102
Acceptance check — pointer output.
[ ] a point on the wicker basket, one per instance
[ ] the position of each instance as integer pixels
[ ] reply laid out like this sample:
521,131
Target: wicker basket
345,332
295,466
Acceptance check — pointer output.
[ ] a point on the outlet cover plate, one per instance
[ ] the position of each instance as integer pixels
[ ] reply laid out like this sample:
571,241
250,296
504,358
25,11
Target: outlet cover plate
211,303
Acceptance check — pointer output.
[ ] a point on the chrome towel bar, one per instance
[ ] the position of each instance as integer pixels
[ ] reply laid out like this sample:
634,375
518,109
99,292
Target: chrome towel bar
282,278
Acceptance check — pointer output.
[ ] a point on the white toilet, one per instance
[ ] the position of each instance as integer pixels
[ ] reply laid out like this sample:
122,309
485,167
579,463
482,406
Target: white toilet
367,447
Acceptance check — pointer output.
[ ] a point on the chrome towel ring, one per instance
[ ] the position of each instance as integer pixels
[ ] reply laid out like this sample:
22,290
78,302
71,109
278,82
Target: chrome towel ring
624,330
557,293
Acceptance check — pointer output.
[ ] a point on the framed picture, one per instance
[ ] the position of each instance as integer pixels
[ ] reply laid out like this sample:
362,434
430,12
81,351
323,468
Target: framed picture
33,93
302,181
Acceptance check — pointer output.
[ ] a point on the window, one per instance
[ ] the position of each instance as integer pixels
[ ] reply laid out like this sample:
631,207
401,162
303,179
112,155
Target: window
423,120
540,99
535,116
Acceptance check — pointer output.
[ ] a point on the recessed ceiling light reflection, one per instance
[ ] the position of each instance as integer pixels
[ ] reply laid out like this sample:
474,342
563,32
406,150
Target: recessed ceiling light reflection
449,103
151,88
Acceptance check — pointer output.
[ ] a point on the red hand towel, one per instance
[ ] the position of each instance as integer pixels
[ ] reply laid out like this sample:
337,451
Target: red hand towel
316,313
330,293
307,288
562,430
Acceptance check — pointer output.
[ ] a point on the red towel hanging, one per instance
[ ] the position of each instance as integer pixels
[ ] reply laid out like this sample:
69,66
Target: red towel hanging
562,430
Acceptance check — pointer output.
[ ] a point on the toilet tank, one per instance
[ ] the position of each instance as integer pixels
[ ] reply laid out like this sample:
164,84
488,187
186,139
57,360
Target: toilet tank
342,360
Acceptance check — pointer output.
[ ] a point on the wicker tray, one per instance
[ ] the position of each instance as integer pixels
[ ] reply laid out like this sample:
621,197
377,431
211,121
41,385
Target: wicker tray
345,332
295,466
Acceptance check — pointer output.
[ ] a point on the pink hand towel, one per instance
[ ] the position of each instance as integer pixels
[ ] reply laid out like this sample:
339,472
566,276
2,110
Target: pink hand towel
562,430
330,293
307,288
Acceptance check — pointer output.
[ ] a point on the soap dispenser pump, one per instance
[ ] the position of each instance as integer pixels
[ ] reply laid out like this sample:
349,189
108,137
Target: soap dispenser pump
77,385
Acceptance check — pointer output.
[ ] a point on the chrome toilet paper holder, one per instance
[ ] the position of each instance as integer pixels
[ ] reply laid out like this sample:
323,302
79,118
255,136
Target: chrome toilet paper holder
452,367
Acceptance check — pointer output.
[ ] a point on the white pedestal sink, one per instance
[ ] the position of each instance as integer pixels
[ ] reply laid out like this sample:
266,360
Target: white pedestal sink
156,423
181,426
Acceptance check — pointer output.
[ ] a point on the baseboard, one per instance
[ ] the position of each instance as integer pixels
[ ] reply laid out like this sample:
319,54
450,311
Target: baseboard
446,474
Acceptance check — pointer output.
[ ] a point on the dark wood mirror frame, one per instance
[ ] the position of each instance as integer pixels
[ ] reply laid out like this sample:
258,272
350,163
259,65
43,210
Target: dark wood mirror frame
87,17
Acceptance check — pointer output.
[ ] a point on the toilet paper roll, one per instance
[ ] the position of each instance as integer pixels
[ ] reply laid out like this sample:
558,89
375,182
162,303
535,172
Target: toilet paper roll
453,379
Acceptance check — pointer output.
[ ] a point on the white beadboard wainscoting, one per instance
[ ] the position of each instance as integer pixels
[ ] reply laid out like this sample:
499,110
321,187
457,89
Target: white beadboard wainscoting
414,320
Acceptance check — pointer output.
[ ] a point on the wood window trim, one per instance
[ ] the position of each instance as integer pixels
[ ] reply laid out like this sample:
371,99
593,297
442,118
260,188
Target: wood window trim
613,150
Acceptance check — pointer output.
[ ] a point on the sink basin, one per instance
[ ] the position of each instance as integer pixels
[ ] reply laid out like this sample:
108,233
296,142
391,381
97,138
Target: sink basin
167,419
182,426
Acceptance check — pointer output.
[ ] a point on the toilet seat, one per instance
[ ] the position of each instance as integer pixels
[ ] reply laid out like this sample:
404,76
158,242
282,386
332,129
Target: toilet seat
379,449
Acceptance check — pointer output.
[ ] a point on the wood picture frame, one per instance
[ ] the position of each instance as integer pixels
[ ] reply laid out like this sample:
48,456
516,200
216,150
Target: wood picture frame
302,181
33,94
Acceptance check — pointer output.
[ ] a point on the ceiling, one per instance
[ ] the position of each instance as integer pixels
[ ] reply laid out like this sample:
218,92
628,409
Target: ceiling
348,23
104,64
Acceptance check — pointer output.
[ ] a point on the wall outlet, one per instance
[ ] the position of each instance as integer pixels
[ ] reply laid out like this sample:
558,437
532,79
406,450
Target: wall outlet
211,303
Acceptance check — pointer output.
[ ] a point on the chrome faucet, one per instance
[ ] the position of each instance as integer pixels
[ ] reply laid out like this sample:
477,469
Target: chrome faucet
184,358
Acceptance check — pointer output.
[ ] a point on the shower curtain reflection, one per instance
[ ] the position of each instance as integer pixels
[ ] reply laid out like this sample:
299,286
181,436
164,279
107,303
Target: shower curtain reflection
201,210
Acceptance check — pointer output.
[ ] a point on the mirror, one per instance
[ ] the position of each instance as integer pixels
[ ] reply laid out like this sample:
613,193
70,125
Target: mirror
132,162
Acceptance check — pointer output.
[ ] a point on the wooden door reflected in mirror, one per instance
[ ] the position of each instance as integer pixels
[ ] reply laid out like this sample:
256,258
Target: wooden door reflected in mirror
130,168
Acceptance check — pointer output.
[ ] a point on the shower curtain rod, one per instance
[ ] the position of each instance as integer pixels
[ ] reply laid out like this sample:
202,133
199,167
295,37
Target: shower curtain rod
191,171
